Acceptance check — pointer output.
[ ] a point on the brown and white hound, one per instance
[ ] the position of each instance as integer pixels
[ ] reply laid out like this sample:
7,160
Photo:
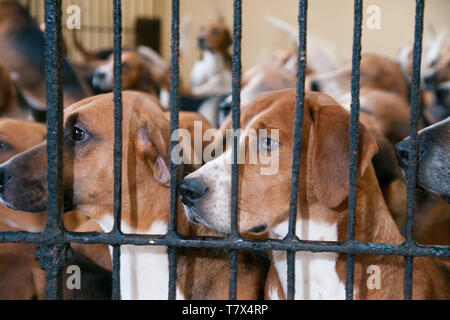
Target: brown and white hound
322,205
88,183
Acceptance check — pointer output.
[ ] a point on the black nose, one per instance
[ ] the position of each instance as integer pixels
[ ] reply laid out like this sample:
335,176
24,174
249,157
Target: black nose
191,191
429,78
201,42
4,178
225,105
315,86
402,149
99,75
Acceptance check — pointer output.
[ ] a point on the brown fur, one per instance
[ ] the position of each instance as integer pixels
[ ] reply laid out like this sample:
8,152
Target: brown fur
377,72
145,192
217,38
7,92
21,42
21,276
323,191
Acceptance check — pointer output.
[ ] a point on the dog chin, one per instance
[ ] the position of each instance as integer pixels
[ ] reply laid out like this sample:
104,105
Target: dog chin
6,204
101,85
194,217
11,206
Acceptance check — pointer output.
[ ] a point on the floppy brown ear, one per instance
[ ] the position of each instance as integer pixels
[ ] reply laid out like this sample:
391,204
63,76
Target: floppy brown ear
228,39
331,147
151,145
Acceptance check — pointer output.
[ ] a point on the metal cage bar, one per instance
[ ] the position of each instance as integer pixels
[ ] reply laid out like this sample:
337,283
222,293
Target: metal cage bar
52,250
354,139
413,152
236,114
415,250
297,144
117,25
54,241
174,108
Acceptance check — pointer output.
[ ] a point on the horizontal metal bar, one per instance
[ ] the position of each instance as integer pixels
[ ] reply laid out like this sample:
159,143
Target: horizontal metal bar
103,29
354,246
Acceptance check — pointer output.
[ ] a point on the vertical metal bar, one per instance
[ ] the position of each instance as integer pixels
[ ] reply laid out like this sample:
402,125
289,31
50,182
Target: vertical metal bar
290,258
51,252
232,282
236,114
117,26
413,152
354,140
297,143
174,108
115,289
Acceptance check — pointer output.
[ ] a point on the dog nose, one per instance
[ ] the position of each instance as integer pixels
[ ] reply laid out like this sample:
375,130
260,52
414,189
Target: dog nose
315,86
201,42
429,78
4,178
402,149
225,105
192,190
99,75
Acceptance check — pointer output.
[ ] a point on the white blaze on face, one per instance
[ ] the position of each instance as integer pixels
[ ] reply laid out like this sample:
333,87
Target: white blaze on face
216,175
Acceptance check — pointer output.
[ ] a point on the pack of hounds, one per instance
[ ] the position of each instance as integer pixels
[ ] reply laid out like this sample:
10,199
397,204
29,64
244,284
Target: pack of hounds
267,102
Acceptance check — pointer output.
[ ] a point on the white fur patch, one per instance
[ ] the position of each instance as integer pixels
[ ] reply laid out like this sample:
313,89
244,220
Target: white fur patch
315,273
273,294
105,83
144,270
14,225
210,75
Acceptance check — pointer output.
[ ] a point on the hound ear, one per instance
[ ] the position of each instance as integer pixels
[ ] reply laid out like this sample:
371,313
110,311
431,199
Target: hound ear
331,148
151,146
228,39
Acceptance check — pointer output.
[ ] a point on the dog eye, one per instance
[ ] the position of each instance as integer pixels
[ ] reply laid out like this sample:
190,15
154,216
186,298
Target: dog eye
4,146
214,31
78,134
269,144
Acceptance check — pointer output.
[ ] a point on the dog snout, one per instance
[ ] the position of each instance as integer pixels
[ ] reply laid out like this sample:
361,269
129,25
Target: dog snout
225,105
201,40
192,190
99,75
315,85
402,149
4,178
